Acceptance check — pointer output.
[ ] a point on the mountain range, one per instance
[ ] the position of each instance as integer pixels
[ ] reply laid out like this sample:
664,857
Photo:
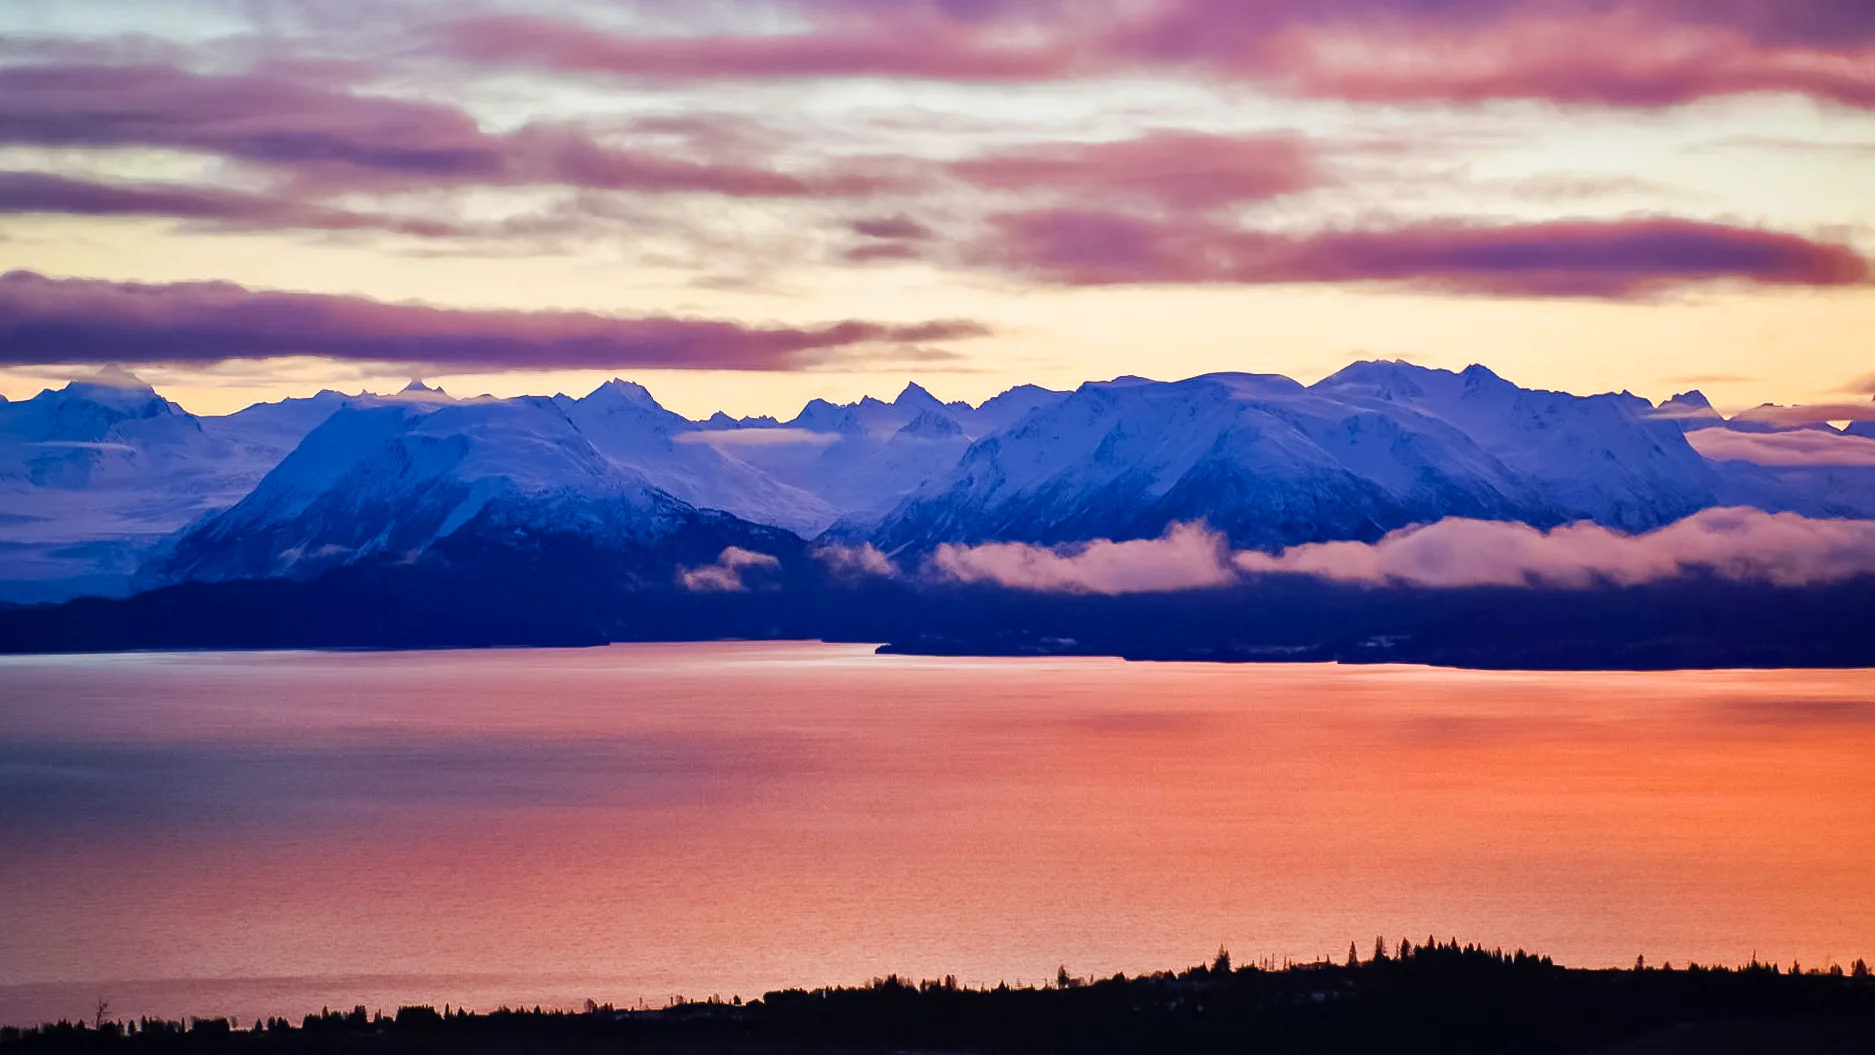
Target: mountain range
107,488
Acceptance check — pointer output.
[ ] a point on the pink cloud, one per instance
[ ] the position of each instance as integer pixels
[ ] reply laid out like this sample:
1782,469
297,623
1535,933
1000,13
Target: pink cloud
1798,448
46,321
1177,169
1188,557
1622,258
1634,54
933,48
1743,545
1599,52
856,562
726,575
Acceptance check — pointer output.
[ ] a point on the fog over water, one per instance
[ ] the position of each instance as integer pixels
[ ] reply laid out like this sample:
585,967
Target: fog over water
253,834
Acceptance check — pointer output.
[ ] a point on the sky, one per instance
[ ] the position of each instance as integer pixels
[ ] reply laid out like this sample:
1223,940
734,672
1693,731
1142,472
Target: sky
745,204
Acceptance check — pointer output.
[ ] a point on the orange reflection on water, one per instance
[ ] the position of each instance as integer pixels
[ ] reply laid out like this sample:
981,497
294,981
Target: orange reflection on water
650,820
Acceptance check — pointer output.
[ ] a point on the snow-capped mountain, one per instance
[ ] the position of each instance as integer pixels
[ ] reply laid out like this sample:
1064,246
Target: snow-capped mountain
104,476
94,475
1606,458
279,427
390,482
1376,447
626,424
863,458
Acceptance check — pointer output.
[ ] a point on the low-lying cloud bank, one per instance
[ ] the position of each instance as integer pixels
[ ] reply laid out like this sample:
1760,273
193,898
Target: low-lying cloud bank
1740,545
1189,557
1806,447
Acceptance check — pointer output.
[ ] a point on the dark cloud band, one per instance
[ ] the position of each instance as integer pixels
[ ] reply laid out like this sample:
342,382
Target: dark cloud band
1618,259
79,321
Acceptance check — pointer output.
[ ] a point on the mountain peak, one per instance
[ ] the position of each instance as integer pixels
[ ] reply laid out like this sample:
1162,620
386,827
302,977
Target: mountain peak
112,378
118,390
1388,379
418,392
916,396
619,390
111,375
1692,410
1478,374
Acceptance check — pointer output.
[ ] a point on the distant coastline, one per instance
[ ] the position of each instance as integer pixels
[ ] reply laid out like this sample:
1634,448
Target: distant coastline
1686,623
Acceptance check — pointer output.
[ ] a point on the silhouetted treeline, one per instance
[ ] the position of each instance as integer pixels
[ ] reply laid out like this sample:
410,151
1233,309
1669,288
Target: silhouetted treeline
1432,997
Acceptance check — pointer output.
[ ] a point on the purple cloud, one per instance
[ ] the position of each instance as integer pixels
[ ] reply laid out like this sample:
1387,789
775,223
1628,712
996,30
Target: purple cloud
1577,258
330,140
68,321
901,228
39,192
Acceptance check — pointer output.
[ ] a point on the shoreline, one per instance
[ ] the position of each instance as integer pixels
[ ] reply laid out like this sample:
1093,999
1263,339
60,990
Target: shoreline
1458,997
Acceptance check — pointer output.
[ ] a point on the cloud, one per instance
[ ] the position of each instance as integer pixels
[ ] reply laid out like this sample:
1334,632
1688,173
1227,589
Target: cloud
1183,170
900,228
1188,557
49,321
1743,545
883,252
725,576
1806,414
730,439
912,45
331,140
856,562
39,192
1797,448
1571,258
1637,53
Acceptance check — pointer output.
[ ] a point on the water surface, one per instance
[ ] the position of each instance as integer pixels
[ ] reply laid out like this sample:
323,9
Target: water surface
255,834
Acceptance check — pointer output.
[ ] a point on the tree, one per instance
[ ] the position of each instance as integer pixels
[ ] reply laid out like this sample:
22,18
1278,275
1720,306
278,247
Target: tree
1222,964
1354,959
103,1008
